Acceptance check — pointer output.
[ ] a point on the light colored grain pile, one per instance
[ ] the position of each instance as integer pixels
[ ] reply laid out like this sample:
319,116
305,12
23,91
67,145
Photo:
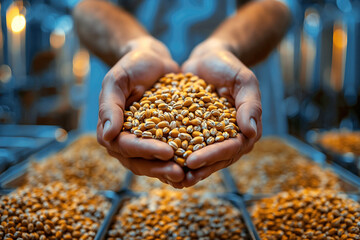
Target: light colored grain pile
84,162
273,166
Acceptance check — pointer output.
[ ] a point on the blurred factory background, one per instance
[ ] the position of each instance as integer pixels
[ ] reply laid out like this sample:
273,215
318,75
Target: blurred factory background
44,70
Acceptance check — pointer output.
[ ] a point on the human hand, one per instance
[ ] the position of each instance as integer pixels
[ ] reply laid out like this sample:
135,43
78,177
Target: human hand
213,61
145,61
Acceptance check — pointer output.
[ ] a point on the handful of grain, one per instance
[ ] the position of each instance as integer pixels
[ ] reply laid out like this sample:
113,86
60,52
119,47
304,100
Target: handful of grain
308,214
183,111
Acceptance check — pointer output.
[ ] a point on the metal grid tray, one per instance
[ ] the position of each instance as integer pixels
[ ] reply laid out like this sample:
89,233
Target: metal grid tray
120,198
238,200
17,142
13,178
113,197
349,182
16,175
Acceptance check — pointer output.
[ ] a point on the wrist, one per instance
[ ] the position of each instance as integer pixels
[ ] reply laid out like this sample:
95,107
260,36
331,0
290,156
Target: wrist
146,43
224,44
132,44
213,44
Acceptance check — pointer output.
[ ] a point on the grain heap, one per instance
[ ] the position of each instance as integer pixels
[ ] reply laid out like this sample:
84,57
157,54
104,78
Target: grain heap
273,166
171,215
54,211
341,142
183,111
212,184
308,214
84,162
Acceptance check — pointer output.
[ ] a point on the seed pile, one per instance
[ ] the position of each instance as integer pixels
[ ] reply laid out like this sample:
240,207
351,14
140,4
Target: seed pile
183,111
273,166
165,214
308,214
341,142
54,211
211,184
84,162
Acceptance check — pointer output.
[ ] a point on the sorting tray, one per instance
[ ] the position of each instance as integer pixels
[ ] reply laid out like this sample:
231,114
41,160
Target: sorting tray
17,142
120,198
349,182
349,161
250,201
113,197
15,176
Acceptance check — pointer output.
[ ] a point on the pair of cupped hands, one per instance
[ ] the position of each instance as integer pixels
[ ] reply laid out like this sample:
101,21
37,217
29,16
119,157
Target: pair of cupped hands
144,61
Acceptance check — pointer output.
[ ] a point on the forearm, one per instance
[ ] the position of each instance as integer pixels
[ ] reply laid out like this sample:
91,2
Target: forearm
106,29
255,30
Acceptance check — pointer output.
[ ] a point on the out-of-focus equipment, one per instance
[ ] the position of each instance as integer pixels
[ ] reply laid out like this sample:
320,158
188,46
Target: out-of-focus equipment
42,66
320,58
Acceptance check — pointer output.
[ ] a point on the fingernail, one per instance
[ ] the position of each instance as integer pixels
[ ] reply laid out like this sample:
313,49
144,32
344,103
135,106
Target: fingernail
169,178
253,125
158,157
190,177
194,159
106,127
202,164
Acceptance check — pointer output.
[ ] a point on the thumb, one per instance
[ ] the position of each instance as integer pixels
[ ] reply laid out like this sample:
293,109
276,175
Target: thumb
171,66
248,104
112,118
190,66
111,109
249,119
